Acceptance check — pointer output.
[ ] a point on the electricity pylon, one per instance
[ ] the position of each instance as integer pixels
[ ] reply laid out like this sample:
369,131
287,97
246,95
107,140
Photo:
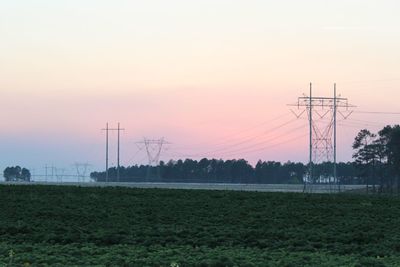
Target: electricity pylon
81,170
59,174
322,117
154,149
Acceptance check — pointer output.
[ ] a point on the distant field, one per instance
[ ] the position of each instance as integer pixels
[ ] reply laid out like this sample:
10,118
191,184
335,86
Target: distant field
89,226
317,188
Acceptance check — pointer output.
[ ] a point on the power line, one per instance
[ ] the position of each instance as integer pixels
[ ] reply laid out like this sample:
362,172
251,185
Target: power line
372,123
266,141
355,122
264,147
378,112
228,138
369,81
272,145
139,149
248,140
231,150
252,138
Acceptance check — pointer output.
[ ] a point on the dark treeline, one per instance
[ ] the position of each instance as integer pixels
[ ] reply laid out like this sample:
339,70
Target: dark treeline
377,158
376,164
229,171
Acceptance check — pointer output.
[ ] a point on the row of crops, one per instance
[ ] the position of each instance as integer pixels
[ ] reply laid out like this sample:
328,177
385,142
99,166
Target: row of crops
153,227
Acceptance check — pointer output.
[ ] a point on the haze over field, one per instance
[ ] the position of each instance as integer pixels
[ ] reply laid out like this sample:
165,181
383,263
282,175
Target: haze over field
206,75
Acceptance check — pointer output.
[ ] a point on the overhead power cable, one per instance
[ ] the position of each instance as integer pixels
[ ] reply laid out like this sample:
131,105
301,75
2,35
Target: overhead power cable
266,133
230,137
231,149
266,141
378,112
248,140
369,81
271,146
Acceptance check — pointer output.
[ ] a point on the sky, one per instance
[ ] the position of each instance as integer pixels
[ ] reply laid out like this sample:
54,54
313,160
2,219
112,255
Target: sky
212,77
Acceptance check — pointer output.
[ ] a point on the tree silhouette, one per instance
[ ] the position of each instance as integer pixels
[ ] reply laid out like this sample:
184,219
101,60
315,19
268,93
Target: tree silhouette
365,155
14,174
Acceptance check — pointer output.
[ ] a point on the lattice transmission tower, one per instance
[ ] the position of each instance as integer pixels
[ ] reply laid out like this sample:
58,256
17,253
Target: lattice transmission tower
322,113
154,148
81,170
59,174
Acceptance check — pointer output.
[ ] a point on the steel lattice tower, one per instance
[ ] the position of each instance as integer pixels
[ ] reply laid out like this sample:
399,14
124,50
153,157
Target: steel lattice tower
154,149
322,113
81,170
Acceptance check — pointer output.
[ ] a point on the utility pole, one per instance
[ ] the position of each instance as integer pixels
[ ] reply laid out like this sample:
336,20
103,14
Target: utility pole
334,137
47,174
118,130
108,129
322,132
33,174
310,170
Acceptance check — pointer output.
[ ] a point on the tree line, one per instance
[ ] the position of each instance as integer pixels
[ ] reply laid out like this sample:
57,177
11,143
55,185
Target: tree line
229,171
377,158
376,163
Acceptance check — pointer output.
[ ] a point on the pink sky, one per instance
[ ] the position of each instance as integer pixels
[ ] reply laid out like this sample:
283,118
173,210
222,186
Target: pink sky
198,74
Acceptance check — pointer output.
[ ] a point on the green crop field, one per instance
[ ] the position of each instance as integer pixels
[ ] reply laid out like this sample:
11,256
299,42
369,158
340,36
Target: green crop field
64,226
